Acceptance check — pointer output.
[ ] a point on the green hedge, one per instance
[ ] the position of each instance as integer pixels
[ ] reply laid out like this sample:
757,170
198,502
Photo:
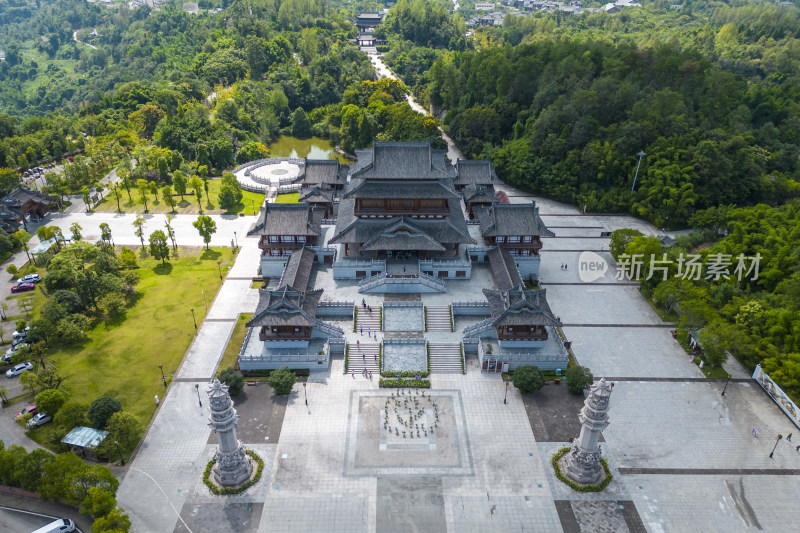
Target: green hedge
580,488
415,383
405,373
217,490
355,319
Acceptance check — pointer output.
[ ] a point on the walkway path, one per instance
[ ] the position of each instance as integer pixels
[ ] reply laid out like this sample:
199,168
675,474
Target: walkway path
383,71
75,38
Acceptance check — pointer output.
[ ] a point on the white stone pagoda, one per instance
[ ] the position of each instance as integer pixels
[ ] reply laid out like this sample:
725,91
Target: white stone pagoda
233,466
583,460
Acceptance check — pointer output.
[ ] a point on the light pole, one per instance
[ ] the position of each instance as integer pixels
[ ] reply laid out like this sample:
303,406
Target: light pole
197,388
641,155
219,267
121,459
726,385
193,319
163,377
305,394
505,398
254,206
235,240
776,445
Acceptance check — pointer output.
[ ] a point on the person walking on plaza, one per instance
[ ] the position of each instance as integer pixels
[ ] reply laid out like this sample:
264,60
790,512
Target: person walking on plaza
789,437
755,432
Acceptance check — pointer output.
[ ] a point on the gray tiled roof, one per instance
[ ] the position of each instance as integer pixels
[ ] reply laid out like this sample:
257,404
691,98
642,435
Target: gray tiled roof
288,219
479,194
479,172
285,306
402,161
321,172
315,194
401,189
511,219
520,307
506,273
21,196
349,228
298,269
402,234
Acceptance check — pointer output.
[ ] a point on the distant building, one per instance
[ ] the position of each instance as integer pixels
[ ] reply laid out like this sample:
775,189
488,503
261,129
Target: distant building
192,8
22,202
2,55
485,6
368,21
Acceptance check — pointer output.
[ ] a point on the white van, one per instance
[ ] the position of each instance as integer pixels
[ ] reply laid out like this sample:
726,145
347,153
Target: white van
57,526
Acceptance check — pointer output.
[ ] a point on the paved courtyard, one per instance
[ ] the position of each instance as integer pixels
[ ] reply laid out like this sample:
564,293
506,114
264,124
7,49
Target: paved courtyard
683,456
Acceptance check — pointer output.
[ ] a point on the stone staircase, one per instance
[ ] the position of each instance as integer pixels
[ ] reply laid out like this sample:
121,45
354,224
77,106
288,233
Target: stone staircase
445,357
439,318
368,320
274,283
365,355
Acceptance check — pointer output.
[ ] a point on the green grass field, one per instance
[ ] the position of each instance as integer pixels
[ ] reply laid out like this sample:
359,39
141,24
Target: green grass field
291,198
249,205
121,360
234,343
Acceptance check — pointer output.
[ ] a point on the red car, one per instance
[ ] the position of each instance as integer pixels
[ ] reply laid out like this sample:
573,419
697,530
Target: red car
31,409
22,287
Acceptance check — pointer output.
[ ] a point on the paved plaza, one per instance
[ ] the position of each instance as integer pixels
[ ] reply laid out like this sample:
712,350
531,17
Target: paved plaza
682,455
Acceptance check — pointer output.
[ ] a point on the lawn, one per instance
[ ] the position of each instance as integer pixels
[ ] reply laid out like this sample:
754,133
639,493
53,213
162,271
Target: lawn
234,343
250,204
121,360
291,198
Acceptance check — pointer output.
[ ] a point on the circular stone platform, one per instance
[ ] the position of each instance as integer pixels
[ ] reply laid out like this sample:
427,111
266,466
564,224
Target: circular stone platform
266,173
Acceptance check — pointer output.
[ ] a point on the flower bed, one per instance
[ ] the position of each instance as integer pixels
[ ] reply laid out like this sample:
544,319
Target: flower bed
404,373
235,490
576,486
416,383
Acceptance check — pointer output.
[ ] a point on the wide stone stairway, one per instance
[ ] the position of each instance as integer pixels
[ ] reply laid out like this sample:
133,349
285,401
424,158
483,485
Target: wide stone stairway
369,321
365,355
439,318
445,357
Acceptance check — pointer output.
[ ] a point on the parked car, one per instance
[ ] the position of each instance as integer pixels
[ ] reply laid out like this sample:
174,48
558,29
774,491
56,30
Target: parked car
19,369
39,419
17,341
22,287
30,278
23,333
30,410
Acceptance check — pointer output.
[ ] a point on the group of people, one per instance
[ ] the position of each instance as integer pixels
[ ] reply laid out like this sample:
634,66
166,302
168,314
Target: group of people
563,266
364,372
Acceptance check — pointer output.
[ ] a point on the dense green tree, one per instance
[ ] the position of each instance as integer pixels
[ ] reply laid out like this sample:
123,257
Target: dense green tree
579,378
206,227
528,379
50,401
159,248
101,409
282,380
233,380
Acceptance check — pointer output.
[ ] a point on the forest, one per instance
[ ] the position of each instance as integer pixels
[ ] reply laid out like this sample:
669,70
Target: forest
216,88
563,104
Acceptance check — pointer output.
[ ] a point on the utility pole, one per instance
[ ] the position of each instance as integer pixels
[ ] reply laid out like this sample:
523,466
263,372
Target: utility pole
641,155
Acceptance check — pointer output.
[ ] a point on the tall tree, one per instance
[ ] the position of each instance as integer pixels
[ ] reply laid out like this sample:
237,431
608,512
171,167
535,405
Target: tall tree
206,227
143,186
138,223
159,248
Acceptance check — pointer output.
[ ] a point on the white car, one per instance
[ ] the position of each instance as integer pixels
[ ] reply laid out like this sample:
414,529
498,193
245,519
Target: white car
23,333
39,419
19,369
30,278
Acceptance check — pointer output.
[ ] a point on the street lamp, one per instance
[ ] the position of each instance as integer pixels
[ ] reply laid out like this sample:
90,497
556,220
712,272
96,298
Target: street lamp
726,385
197,388
641,154
235,240
193,319
121,459
776,445
505,398
163,377
254,206
305,394
219,267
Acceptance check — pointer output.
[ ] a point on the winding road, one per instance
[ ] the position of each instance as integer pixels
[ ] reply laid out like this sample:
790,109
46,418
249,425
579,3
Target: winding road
75,38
